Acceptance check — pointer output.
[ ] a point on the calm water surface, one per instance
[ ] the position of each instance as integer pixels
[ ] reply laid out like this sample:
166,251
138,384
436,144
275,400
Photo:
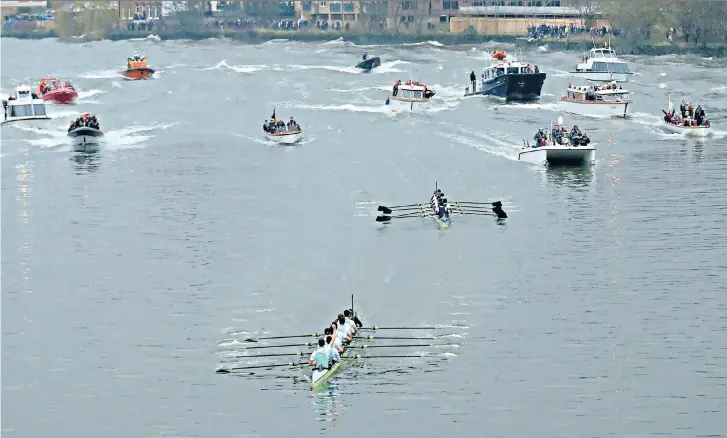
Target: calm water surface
131,274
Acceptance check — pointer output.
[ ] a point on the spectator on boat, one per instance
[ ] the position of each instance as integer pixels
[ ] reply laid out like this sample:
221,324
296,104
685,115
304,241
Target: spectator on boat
292,125
537,70
396,87
473,79
266,128
699,115
575,131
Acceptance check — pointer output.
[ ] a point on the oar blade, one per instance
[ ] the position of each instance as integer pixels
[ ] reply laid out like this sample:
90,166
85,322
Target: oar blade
385,210
222,371
383,218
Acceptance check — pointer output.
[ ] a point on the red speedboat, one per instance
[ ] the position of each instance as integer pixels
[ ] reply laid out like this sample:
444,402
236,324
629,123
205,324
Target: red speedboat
53,90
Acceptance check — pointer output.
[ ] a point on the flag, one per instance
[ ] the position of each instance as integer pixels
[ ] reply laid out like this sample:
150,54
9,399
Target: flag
275,119
570,84
671,105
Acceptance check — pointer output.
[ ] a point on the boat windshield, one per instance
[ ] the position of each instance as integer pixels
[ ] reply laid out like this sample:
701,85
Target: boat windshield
21,110
39,109
611,67
406,94
23,94
500,71
512,70
417,95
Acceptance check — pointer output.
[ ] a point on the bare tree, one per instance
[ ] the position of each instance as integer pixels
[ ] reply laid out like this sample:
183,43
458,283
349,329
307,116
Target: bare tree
372,13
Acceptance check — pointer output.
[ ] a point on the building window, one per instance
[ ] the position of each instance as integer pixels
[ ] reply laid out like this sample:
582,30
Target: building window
335,6
410,4
348,7
454,4
322,4
307,6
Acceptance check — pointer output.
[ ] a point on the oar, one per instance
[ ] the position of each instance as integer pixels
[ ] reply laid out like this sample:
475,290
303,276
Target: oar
399,328
312,335
384,208
409,216
390,210
290,364
494,204
404,338
307,344
271,355
402,345
358,356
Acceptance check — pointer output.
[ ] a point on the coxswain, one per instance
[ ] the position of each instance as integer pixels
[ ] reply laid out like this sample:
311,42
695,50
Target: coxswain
320,359
444,210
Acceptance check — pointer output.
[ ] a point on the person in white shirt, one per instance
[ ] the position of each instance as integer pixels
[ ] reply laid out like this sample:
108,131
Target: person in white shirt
341,330
320,359
336,342
349,322
333,355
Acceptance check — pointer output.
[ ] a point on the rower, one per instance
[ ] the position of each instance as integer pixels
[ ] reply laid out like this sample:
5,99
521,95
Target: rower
336,343
356,321
351,325
333,355
320,357
343,331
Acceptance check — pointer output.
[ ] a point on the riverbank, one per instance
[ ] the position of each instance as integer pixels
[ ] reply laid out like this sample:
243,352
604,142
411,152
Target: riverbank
257,36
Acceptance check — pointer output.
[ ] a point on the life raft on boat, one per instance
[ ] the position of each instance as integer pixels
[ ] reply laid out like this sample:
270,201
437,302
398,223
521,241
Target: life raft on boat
501,54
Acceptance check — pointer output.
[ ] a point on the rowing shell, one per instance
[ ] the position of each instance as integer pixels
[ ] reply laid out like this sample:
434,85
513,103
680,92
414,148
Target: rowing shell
441,222
321,377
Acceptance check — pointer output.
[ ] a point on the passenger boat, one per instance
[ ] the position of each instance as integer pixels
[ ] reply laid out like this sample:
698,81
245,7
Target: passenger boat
602,64
23,105
569,150
136,68
284,134
609,100
369,63
404,96
54,90
507,78
687,126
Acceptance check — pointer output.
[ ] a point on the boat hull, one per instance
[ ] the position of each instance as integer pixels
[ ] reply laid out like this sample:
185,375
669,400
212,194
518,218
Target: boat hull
691,131
21,119
137,73
442,222
559,155
85,136
520,87
369,64
62,96
400,106
285,137
587,108
319,378
601,76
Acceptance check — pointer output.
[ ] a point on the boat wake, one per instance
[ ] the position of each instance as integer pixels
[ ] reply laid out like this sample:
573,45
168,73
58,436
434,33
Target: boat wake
385,67
89,93
223,65
381,109
492,144
100,74
306,139
125,138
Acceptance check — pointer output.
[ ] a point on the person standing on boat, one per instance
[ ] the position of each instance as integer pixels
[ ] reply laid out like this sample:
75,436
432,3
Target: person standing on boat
320,357
473,79
365,55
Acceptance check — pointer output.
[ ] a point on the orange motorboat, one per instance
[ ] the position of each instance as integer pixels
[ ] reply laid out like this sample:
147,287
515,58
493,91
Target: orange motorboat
136,68
53,90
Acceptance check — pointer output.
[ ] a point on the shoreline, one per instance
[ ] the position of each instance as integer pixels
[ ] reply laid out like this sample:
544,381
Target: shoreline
257,36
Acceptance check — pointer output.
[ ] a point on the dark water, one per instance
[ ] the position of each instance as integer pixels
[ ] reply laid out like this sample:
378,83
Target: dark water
129,275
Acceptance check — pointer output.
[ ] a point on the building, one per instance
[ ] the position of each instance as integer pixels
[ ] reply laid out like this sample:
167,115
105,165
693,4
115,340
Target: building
516,16
328,11
12,7
142,10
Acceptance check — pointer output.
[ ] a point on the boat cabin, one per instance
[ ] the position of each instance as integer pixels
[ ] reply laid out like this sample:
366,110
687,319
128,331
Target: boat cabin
411,91
24,104
602,60
598,94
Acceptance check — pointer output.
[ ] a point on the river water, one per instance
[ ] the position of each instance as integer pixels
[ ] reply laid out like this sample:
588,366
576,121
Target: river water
130,275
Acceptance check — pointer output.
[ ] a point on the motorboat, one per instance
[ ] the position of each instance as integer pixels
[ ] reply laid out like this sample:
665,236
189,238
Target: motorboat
404,95
23,104
54,90
85,135
686,125
369,63
602,64
609,100
136,68
559,149
280,132
507,78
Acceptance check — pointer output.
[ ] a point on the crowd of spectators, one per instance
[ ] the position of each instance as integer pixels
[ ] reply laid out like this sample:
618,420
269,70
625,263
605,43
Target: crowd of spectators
23,20
545,30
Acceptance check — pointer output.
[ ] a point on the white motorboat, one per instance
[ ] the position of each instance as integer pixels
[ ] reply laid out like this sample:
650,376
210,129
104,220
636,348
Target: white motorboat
85,135
404,96
685,126
602,64
566,149
24,105
609,100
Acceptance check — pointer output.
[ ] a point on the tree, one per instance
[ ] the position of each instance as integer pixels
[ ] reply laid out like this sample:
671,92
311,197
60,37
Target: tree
372,13
189,14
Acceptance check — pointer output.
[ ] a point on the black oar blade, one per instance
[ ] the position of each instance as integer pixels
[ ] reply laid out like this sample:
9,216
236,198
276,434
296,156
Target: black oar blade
222,371
383,218
497,204
501,214
385,210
